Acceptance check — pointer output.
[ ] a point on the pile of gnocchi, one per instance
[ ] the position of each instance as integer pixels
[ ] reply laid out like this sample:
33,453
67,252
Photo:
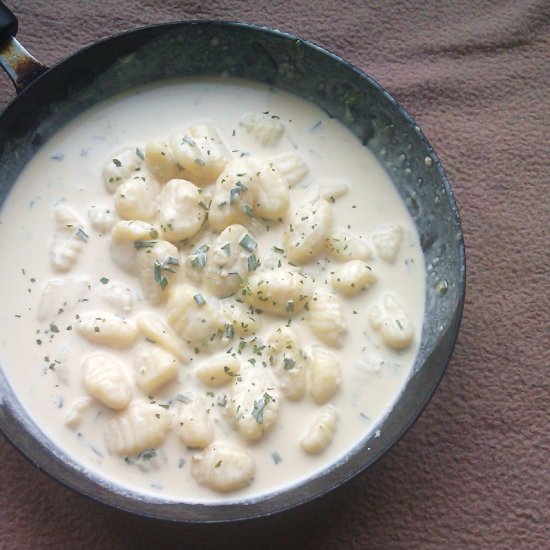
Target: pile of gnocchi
208,346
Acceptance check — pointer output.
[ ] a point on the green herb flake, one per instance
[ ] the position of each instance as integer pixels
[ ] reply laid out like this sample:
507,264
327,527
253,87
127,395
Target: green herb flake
248,243
288,363
276,457
199,299
140,153
117,163
259,406
104,280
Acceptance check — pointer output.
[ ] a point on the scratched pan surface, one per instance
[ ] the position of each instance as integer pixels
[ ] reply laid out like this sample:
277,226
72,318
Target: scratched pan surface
153,53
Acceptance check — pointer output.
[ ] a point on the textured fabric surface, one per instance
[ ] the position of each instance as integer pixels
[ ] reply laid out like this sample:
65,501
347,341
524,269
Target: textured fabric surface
474,471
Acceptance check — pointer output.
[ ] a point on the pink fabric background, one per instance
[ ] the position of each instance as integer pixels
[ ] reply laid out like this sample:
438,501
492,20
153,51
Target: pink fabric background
474,471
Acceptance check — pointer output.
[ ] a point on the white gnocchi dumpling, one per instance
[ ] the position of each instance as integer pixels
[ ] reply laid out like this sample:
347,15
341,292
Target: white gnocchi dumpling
242,319
195,318
272,193
390,319
128,237
200,152
387,241
62,294
121,166
69,238
279,291
106,381
308,229
267,129
157,265
325,374
135,198
326,318
292,167
321,431
181,210
229,259
153,327
346,247
107,329
102,219
254,402
160,161
76,411
287,361
223,467
351,278
218,371
154,368
141,426
234,196
192,421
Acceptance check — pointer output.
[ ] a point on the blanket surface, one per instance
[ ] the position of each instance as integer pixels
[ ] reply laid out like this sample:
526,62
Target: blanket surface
474,471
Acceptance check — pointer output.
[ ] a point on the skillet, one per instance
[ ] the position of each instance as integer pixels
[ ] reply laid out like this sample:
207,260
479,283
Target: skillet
48,98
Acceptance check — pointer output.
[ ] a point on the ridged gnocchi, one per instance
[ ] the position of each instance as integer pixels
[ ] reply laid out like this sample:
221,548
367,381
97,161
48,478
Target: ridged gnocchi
234,196
194,318
286,358
157,265
387,241
69,238
279,291
243,321
254,402
153,327
228,261
394,325
325,374
120,167
154,368
345,247
107,329
141,426
200,153
272,197
105,380
308,230
292,167
351,278
135,198
326,318
321,431
223,467
192,421
218,371
266,128
181,210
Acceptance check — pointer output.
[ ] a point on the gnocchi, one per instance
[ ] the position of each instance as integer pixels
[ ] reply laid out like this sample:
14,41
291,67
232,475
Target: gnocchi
390,319
107,329
223,467
326,318
321,431
218,371
154,368
142,426
192,422
352,277
325,374
387,241
104,379
308,230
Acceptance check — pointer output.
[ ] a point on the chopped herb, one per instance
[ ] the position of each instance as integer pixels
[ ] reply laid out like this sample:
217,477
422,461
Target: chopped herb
227,249
259,406
218,464
248,243
138,245
199,299
290,306
253,262
104,280
183,398
277,249
276,457
82,235
140,153
117,163
200,162
288,363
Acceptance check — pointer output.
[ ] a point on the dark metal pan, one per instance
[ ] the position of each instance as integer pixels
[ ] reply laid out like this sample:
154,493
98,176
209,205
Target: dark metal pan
48,98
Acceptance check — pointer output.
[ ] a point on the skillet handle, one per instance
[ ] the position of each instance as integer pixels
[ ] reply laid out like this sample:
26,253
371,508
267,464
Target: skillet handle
20,65
8,24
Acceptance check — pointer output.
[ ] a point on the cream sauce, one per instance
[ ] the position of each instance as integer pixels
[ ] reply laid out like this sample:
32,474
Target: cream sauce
42,355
